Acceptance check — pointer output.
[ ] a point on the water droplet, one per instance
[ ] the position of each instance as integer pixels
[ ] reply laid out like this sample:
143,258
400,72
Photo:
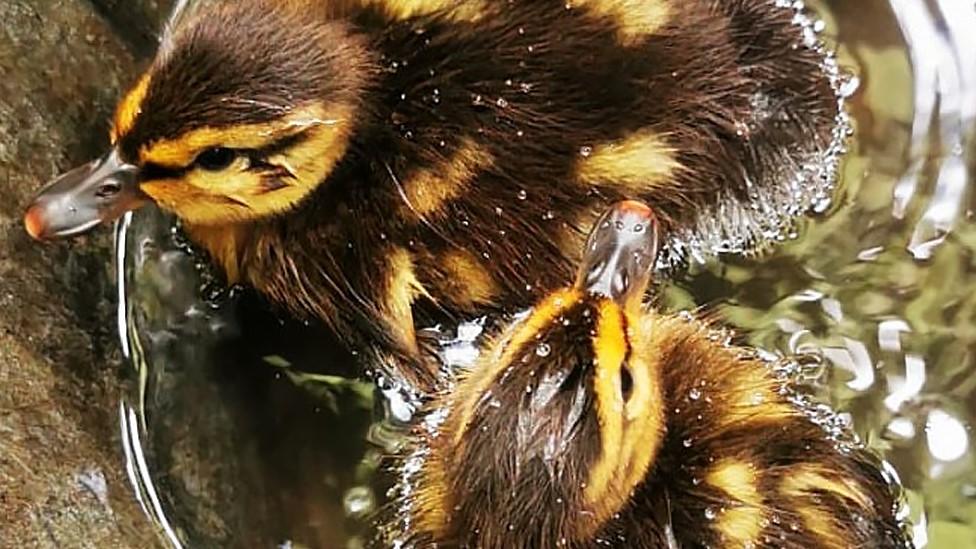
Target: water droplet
710,513
687,443
477,100
743,130
543,350
549,215
358,501
849,85
522,194
694,394
502,102
585,151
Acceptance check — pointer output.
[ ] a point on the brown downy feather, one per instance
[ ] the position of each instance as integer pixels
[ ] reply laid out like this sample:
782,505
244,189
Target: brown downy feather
393,153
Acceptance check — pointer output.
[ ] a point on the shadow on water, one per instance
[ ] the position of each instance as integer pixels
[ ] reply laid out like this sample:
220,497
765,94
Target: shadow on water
249,436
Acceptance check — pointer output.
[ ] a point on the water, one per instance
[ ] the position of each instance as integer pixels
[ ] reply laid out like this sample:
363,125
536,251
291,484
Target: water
250,436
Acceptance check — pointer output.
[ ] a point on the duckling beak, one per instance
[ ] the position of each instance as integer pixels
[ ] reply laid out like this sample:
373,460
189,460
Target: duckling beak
98,192
620,253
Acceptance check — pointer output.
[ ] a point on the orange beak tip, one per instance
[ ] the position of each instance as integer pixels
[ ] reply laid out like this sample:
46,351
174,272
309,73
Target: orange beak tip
637,208
34,223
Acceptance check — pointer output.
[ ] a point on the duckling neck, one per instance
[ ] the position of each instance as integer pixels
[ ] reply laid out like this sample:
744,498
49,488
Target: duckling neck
226,245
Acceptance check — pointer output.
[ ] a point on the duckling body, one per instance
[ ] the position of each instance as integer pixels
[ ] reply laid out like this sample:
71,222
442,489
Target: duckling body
594,422
354,159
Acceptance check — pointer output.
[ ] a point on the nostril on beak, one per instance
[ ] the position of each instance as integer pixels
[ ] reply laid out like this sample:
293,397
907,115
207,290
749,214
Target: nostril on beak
108,189
621,252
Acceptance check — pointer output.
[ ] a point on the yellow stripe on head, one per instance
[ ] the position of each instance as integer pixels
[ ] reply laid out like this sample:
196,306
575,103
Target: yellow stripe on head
238,192
129,109
610,348
631,426
181,151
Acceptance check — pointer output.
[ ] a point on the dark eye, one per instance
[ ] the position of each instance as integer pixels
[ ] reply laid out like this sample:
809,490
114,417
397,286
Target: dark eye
626,383
216,159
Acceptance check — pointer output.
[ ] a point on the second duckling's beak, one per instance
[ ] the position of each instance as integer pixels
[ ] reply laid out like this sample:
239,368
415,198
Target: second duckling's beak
98,192
620,253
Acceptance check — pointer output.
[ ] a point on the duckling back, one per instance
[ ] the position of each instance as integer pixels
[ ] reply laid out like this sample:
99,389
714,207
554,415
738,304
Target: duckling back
496,133
747,461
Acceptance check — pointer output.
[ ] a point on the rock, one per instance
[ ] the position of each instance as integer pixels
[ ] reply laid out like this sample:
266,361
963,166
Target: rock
62,479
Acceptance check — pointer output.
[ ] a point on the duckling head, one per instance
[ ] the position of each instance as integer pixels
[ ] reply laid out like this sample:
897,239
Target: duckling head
245,110
561,421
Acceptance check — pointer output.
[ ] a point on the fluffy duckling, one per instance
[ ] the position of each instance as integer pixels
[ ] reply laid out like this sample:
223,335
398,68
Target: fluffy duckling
351,159
593,422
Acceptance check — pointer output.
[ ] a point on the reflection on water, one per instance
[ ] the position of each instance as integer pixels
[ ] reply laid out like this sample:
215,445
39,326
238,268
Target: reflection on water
225,443
249,437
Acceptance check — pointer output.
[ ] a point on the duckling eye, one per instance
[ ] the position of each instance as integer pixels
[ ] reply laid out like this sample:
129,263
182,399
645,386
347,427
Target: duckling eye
216,158
626,383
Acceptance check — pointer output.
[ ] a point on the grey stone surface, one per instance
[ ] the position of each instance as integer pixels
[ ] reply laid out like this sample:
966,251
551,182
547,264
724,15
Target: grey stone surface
62,482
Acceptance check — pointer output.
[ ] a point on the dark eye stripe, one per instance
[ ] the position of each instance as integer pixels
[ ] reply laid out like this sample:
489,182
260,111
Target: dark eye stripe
151,171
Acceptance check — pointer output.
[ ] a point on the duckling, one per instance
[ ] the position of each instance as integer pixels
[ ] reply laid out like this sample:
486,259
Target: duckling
374,163
596,422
